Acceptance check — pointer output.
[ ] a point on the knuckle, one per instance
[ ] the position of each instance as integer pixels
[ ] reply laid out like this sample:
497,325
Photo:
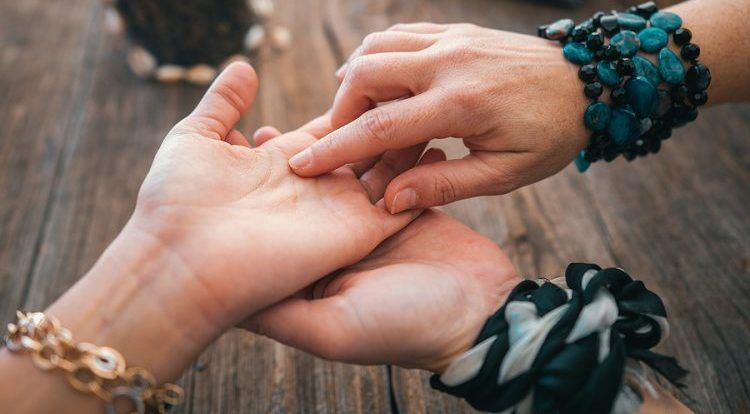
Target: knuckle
378,126
445,189
462,29
371,42
464,100
466,26
358,70
229,94
398,26
457,52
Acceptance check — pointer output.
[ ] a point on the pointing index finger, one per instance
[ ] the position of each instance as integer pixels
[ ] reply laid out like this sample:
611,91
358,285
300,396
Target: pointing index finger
397,125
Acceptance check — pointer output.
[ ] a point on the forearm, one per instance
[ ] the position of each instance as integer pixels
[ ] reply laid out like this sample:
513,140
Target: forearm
137,299
719,28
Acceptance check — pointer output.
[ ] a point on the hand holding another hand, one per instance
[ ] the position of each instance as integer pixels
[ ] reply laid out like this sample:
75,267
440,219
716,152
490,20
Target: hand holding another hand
223,232
513,99
252,233
418,301
220,231
249,230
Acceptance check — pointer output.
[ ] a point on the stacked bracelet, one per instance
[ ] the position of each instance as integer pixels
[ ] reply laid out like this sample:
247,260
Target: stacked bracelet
561,346
610,50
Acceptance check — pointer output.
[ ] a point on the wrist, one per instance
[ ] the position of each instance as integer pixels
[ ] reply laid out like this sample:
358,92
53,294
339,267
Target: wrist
723,45
140,299
576,102
137,299
463,343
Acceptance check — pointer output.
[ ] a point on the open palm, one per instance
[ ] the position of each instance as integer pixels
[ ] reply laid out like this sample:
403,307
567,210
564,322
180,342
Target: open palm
228,211
417,301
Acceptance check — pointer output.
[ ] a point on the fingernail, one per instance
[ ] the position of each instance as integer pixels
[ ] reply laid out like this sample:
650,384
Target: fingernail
404,200
301,160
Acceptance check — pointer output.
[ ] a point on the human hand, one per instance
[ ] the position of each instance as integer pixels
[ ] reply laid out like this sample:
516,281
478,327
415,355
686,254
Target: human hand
249,230
419,300
513,99
220,231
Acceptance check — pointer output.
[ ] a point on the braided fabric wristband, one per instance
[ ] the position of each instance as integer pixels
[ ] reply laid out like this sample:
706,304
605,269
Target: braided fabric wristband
561,346
646,101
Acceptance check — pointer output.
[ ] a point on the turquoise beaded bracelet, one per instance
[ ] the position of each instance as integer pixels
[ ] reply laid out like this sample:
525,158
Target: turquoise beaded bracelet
642,113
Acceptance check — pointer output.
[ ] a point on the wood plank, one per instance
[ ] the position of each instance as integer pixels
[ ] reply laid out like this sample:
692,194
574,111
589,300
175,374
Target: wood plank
79,132
40,95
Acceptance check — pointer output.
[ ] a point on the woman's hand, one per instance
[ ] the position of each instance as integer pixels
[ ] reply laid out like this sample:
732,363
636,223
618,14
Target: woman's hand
249,230
513,99
220,231
419,300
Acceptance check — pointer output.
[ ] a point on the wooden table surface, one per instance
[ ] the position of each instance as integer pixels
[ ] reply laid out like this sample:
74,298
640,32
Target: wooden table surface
78,132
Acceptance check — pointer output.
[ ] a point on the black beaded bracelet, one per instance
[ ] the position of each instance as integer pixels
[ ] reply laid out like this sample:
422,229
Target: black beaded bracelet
641,114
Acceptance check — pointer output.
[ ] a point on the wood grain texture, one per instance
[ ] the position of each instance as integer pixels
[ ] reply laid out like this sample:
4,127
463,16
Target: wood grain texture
78,133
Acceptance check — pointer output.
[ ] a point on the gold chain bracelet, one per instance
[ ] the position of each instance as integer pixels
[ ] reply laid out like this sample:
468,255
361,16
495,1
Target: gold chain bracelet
89,368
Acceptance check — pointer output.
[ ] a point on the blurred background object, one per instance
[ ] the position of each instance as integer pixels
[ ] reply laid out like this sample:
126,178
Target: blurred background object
562,3
192,40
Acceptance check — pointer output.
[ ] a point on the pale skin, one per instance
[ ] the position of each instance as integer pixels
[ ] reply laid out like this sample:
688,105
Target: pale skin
513,99
222,230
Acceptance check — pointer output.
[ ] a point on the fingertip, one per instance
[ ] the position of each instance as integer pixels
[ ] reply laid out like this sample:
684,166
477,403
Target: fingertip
391,164
243,77
441,182
265,134
393,188
408,190
409,215
240,67
390,194
403,200
236,137
341,71
301,161
320,157
228,98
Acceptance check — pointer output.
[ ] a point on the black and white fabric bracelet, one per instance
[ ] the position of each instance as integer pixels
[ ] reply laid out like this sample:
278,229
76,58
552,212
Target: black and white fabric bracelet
562,346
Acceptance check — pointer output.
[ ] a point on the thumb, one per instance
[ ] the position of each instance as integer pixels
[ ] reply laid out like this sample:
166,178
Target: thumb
318,326
227,99
438,183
